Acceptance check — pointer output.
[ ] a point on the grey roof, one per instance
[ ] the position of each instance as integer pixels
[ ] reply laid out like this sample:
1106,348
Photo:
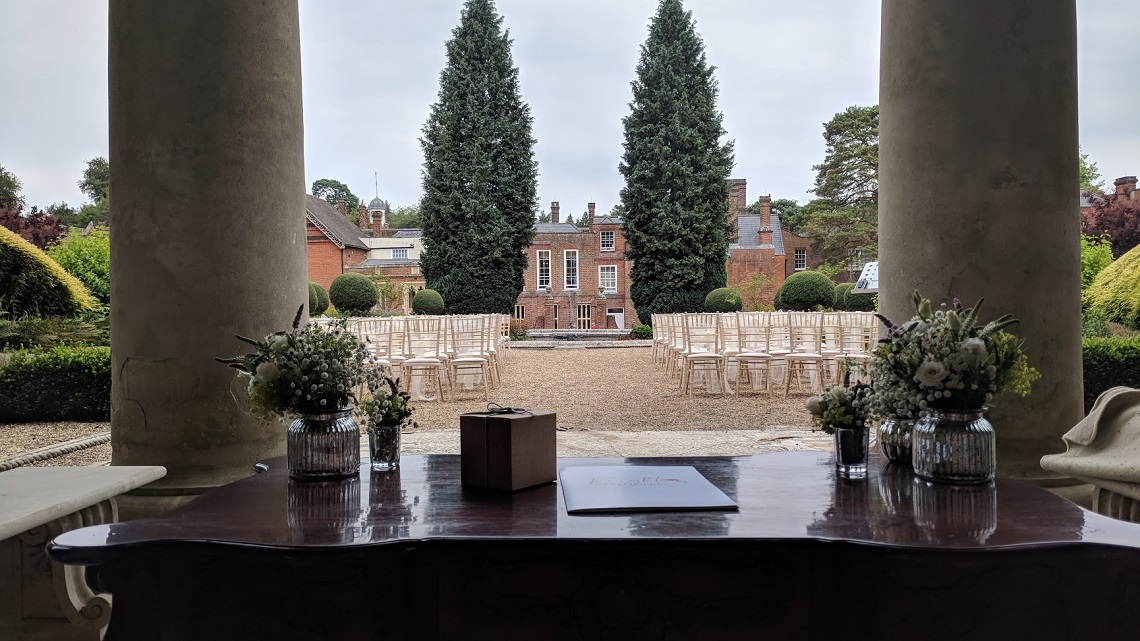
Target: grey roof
408,233
777,233
326,218
608,220
747,232
556,228
377,205
380,262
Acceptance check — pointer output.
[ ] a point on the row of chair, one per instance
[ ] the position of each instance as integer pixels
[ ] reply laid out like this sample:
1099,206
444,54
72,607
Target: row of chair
803,347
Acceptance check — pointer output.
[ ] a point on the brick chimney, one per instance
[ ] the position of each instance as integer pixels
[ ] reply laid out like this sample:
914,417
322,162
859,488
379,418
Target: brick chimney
1126,187
765,203
554,211
364,220
590,212
342,207
737,200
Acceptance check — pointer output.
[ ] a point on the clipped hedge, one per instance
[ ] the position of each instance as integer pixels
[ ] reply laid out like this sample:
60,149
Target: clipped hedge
353,294
318,299
642,332
427,302
60,384
859,302
724,299
1115,292
32,283
805,291
87,256
842,290
1110,362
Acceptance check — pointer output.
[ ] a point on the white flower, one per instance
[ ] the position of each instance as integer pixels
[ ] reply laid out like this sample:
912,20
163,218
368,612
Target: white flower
267,372
930,373
814,406
974,351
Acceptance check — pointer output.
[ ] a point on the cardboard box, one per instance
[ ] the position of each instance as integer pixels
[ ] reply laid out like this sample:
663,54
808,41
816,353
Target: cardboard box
508,451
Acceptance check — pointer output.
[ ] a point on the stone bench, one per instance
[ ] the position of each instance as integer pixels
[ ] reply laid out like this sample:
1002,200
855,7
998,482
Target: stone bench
40,598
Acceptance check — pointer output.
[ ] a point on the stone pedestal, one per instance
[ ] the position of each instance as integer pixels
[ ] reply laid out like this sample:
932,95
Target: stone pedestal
208,238
978,188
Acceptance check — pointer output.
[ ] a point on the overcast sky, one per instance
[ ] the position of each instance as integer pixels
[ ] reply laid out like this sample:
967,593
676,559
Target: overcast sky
371,68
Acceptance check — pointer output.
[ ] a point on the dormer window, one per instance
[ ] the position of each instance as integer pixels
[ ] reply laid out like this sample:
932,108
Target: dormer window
399,254
607,241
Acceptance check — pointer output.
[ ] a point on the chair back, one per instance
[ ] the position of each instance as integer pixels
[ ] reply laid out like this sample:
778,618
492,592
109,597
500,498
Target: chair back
424,336
469,335
752,328
701,333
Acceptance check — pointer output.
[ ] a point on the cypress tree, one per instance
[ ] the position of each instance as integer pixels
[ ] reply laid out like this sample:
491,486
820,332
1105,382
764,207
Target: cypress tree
480,178
676,171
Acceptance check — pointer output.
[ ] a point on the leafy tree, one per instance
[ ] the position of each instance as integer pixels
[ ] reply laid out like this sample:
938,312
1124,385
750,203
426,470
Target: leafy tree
10,187
1117,217
404,217
1096,254
96,182
841,232
87,256
66,214
1090,179
543,217
98,213
787,209
334,190
37,227
480,178
676,171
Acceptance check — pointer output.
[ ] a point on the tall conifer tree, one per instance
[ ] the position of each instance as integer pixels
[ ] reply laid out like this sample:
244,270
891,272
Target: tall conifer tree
480,178
676,171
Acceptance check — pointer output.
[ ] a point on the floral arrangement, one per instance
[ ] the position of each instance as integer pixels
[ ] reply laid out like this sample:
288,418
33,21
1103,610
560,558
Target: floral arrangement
386,405
944,360
840,406
305,370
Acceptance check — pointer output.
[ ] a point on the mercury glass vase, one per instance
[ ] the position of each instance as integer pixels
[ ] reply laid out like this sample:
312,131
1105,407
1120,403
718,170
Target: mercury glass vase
851,449
954,446
384,447
324,445
894,439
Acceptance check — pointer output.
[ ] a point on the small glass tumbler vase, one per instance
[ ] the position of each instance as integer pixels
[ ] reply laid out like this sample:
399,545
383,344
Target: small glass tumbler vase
894,440
384,447
852,445
954,446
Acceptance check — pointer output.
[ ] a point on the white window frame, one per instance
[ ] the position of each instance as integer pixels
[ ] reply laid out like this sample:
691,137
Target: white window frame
607,247
539,256
400,254
800,253
601,280
570,270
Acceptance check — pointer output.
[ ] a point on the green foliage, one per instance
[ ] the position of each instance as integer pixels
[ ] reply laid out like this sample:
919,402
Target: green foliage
96,181
87,256
676,171
60,384
724,299
1109,362
1094,325
842,290
10,187
543,217
480,178
787,209
857,302
758,293
427,302
389,291
318,299
333,190
1115,292
805,291
353,294
98,213
36,331
642,332
839,230
32,283
404,217
1096,254
1089,175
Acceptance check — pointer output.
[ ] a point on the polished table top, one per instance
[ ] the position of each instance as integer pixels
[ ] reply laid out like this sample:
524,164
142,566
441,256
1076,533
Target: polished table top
781,496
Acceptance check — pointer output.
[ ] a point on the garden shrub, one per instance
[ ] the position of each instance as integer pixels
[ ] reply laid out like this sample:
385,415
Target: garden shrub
723,299
427,302
643,332
87,256
353,294
857,302
318,299
33,331
805,291
32,283
1094,325
1115,291
60,384
1109,362
839,303
518,330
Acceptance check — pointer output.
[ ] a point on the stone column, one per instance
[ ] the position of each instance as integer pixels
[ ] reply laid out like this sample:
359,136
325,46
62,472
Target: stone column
978,188
208,237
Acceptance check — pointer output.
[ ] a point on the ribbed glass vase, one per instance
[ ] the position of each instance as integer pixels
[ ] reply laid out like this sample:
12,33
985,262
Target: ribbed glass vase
954,446
894,439
323,445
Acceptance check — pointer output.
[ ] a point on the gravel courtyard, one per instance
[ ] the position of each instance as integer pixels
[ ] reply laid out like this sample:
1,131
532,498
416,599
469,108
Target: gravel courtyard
591,390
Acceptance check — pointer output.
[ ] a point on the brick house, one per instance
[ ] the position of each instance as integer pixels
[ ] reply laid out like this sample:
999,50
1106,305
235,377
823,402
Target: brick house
332,241
1125,189
577,278
763,254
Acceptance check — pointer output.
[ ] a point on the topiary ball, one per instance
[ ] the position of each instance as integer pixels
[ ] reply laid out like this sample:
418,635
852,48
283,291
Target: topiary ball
1115,292
805,291
723,299
318,299
842,290
427,302
353,294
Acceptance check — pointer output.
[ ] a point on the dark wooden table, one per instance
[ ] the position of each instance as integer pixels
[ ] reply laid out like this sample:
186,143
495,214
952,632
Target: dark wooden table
413,554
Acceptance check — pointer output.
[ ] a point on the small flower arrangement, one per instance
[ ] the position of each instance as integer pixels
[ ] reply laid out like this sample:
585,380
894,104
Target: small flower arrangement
840,406
386,405
305,370
944,360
